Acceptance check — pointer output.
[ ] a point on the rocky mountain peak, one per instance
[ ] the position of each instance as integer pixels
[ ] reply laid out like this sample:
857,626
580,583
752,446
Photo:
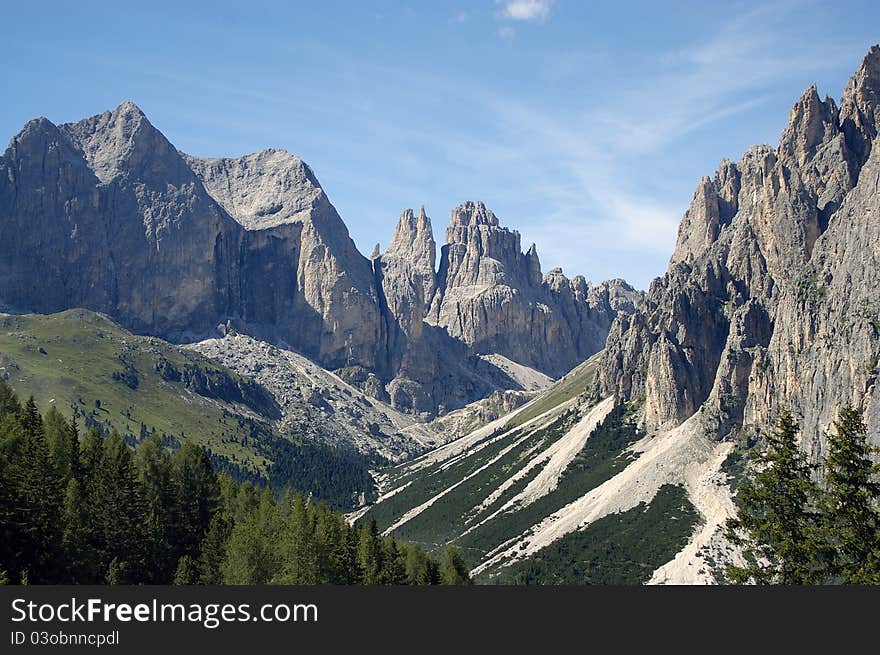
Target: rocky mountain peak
533,263
480,252
34,128
263,189
106,214
702,222
408,274
123,142
811,123
40,137
413,239
758,310
472,213
865,84
860,106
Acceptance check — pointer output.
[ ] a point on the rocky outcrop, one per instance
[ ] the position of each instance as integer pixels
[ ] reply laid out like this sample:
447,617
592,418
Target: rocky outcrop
405,280
317,404
771,297
491,296
106,214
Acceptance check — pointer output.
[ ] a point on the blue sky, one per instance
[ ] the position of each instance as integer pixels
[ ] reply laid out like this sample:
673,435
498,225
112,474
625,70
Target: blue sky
585,126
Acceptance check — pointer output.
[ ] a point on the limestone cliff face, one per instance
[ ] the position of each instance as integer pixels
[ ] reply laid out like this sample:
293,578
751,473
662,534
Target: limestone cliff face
405,278
303,277
770,299
406,271
106,214
488,298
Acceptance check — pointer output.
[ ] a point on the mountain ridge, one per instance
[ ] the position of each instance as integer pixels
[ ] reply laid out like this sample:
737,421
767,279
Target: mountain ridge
761,283
173,245
771,302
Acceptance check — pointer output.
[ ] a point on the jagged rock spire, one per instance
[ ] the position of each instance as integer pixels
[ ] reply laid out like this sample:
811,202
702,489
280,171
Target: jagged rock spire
472,213
534,266
860,106
413,239
811,123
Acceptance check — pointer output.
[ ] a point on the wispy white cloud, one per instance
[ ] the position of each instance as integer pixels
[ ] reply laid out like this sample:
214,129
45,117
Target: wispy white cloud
731,71
536,10
597,189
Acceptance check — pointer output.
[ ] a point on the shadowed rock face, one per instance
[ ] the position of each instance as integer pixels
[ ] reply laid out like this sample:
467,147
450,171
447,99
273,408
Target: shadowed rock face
772,298
304,279
106,214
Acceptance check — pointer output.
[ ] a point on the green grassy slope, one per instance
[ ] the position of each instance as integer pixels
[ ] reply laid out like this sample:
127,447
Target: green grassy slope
574,383
82,362
85,364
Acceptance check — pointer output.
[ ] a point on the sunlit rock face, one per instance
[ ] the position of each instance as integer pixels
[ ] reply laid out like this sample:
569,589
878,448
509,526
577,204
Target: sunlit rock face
771,299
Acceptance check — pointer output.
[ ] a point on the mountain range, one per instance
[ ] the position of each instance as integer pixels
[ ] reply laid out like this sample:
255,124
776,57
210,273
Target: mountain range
771,298
771,302
577,432
106,214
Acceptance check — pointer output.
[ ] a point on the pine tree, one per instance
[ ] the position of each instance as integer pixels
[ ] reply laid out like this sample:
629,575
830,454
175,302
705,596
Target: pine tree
59,439
851,517
91,512
154,477
11,438
116,573
453,570
299,555
8,400
369,554
419,567
120,516
776,522
252,554
393,565
74,449
90,455
37,499
213,550
79,552
335,561
196,495
187,572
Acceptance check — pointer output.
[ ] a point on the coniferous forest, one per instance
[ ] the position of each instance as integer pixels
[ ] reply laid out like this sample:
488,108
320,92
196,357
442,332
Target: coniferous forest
87,509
